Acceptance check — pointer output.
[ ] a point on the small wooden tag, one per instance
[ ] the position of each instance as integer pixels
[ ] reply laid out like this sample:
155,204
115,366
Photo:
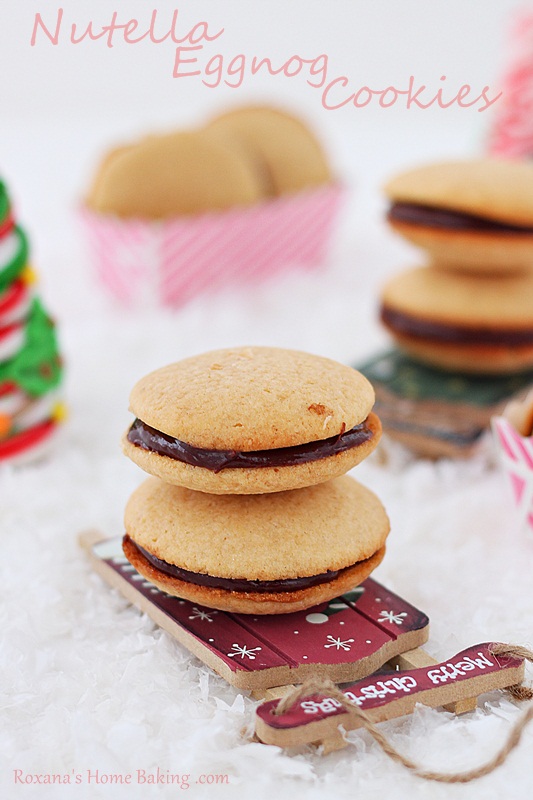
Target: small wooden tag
316,719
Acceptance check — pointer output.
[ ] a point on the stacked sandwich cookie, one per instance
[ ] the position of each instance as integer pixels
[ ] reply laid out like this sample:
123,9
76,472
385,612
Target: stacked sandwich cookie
30,367
471,308
250,510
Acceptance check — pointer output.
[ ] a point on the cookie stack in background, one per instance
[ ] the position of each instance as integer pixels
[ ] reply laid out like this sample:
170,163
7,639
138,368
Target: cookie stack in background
250,509
471,308
30,366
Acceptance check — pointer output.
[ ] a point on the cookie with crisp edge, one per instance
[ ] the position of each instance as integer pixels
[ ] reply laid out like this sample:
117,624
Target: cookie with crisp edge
246,602
491,189
176,174
252,399
339,525
470,359
282,146
494,189
476,251
464,304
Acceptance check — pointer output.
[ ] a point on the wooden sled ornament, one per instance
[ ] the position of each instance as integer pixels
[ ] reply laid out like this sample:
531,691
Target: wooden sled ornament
316,719
343,640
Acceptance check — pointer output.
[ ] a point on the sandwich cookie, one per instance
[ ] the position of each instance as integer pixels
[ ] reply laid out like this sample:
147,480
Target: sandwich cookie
472,323
283,148
177,174
251,420
469,215
256,554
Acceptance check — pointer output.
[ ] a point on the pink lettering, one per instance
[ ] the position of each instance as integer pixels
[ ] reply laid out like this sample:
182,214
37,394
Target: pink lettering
488,102
151,33
413,98
236,67
298,66
343,81
54,38
383,95
257,65
214,67
319,66
203,33
178,61
464,91
93,36
368,100
132,26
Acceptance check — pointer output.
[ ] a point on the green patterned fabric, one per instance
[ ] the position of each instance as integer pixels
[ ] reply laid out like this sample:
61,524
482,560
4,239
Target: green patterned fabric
413,381
36,368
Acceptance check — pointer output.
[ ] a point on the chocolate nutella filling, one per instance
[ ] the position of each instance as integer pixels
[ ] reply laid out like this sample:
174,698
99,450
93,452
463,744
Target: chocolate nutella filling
233,584
155,441
432,217
399,322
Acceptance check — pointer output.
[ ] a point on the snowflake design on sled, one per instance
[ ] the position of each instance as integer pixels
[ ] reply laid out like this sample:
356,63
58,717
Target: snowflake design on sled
242,651
199,613
338,644
391,616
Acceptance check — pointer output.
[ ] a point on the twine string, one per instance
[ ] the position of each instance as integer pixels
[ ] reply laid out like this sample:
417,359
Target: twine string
519,692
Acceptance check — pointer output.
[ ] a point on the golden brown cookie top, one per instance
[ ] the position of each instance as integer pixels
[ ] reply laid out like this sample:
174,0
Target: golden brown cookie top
466,299
252,398
258,537
187,172
282,145
494,189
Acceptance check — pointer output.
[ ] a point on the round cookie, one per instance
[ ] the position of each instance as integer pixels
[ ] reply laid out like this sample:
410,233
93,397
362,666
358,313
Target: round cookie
250,420
472,323
284,148
256,554
469,215
177,174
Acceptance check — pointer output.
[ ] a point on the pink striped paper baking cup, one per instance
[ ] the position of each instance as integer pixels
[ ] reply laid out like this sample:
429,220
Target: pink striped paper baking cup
516,456
168,262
